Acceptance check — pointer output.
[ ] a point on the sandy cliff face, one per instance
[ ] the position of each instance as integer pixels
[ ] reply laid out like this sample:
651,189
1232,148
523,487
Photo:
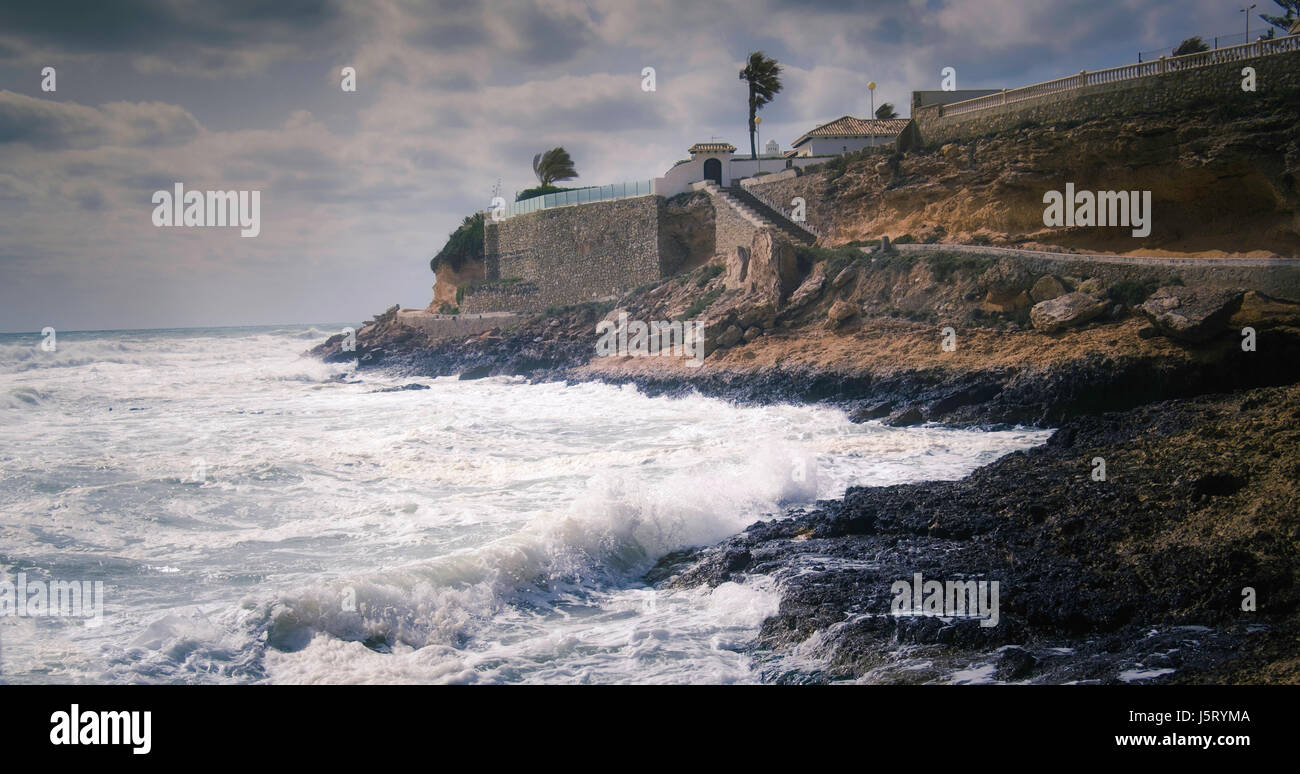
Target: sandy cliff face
447,279
1222,177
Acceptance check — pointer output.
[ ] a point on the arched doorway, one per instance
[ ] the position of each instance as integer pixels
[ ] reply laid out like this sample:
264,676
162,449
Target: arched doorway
713,170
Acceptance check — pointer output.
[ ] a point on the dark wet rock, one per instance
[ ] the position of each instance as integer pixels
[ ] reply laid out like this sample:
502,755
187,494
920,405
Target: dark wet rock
1095,577
403,388
477,372
906,418
1015,664
874,411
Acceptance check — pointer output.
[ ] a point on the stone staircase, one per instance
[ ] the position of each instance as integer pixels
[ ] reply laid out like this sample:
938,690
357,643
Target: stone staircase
742,198
759,214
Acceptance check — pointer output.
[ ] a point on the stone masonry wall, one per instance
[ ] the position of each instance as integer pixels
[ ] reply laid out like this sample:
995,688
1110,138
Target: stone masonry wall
501,297
731,229
570,255
1155,93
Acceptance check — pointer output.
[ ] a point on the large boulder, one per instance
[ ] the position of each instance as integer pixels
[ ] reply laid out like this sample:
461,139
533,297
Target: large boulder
1191,314
730,337
1005,280
1006,284
841,311
1065,311
846,276
1046,288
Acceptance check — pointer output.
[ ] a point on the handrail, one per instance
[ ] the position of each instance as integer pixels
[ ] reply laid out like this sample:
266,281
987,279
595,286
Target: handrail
601,193
1124,73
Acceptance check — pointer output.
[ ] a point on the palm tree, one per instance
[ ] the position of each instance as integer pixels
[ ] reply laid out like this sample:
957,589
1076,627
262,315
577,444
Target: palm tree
553,165
764,78
1284,23
886,111
1193,45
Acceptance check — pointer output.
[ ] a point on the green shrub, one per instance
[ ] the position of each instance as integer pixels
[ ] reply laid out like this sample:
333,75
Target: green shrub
541,190
701,303
981,239
708,273
944,265
464,243
905,239
1132,292
836,257
447,308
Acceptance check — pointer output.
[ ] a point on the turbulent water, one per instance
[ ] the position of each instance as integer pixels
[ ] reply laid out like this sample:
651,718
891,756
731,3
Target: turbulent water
256,518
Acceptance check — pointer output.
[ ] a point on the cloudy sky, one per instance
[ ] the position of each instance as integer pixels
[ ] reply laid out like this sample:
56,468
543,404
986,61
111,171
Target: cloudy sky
359,189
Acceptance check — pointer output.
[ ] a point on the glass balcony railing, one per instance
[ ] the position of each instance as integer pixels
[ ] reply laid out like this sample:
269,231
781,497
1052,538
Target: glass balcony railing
600,193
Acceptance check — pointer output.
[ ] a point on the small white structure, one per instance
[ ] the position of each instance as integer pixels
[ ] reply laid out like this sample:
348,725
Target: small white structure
847,134
772,148
717,161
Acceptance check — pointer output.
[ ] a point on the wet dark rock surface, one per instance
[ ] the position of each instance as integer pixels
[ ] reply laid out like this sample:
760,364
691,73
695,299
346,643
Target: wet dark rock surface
1139,577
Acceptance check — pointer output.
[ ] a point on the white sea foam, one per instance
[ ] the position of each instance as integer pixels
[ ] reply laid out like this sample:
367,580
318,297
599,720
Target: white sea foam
256,519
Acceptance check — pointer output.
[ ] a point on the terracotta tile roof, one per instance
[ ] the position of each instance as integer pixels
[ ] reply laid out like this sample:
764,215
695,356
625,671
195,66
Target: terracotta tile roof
712,147
848,126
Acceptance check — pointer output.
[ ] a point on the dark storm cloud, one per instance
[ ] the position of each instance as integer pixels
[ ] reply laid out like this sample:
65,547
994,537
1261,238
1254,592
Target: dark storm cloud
139,26
546,38
48,125
630,111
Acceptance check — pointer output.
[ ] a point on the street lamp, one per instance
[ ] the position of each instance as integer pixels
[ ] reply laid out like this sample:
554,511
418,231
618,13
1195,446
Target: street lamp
871,87
1247,11
758,120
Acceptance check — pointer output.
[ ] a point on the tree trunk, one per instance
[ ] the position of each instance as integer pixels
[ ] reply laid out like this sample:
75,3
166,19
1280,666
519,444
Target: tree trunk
753,149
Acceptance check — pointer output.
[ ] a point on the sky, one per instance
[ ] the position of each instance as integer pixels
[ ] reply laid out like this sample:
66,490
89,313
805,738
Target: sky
359,189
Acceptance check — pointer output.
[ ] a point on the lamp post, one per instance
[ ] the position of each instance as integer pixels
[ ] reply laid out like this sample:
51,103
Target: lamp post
1246,12
758,129
871,87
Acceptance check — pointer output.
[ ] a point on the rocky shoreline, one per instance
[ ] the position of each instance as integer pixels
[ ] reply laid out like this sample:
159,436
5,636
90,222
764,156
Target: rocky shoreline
1138,577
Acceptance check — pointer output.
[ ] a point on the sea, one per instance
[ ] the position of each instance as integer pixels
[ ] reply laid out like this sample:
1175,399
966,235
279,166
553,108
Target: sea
254,515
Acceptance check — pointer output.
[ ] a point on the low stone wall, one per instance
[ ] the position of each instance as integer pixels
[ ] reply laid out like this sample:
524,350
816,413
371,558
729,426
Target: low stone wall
1154,93
499,296
442,326
1280,279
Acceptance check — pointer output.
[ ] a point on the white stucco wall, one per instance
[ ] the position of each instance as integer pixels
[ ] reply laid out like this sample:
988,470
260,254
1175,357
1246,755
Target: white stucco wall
834,146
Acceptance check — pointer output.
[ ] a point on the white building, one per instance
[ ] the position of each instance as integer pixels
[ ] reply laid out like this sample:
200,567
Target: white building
717,161
847,134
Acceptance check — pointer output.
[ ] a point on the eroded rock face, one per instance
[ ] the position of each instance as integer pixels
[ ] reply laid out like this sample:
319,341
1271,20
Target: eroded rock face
1191,314
1065,311
737,269
810,290
773,267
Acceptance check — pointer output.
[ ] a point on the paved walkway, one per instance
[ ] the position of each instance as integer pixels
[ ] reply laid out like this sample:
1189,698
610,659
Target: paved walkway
1125,259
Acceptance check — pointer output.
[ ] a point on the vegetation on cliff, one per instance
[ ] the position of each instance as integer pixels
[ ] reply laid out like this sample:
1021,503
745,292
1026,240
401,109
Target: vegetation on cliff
465,243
